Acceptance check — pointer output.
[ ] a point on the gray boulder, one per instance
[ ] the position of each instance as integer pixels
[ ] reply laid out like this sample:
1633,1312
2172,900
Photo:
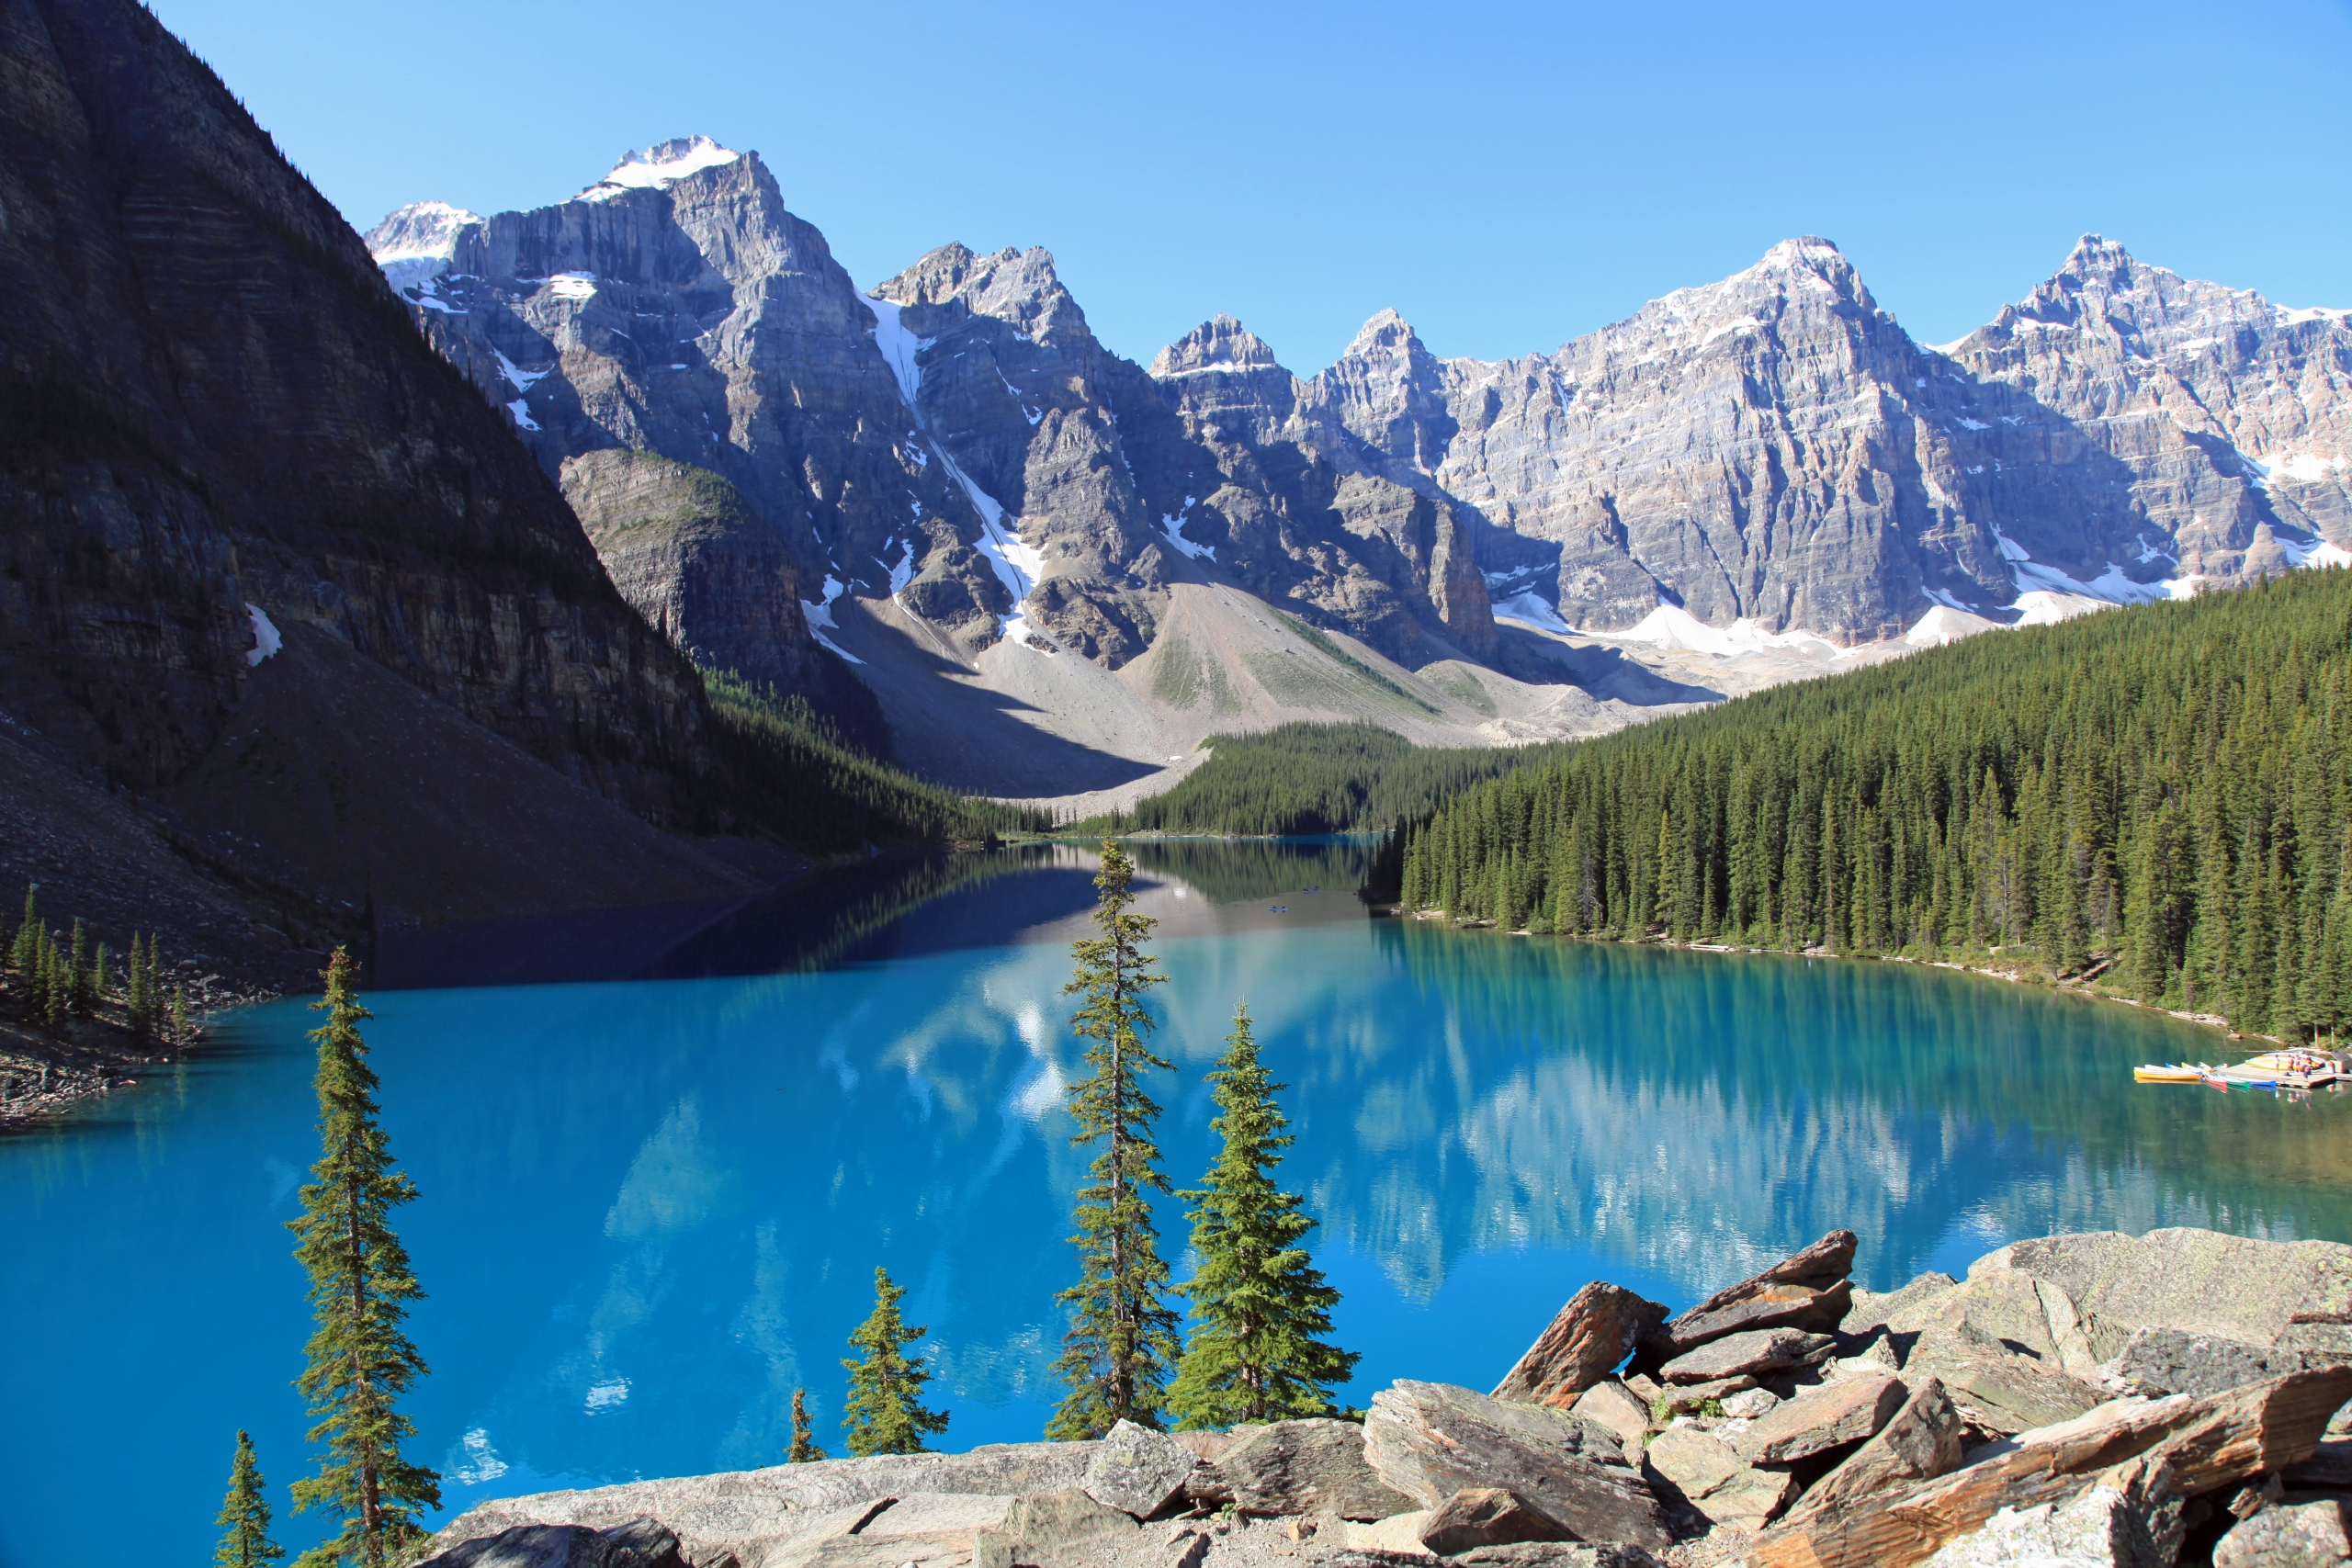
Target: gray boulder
1430,1440
2301,1534
1873,1310
1137,1471
1055,1527
2029,1315
1752,1354
1807,1292
1851,1411
1304,1467
1588,1339
1484,1516
2157,1362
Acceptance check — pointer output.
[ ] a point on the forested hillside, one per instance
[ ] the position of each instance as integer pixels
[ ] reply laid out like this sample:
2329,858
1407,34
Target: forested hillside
803,784
2159,795
1315,778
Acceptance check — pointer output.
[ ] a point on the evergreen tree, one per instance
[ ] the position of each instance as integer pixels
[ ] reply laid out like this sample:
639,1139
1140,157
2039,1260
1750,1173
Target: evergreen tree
1116,1355
179,1014
245,1516
81,992
1260,1310
358,1361
137,1006
884,1387
102,973
804,1450
21,955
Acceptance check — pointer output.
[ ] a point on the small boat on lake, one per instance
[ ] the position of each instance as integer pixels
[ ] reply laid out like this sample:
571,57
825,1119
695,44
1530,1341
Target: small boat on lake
2171,1072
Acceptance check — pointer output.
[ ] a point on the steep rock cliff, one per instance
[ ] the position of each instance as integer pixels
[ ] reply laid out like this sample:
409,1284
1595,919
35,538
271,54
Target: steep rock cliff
223,428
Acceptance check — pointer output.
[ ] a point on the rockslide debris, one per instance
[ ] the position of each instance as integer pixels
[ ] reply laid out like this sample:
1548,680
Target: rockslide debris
2078,1400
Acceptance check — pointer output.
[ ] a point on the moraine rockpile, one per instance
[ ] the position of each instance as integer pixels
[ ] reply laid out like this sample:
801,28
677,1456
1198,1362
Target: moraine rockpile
2097,1399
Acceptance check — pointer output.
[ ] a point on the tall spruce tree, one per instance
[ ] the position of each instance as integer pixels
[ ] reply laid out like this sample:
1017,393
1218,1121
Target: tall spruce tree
1118,1352
886,1416
804,1450
1258,1350
358,1361
245,1516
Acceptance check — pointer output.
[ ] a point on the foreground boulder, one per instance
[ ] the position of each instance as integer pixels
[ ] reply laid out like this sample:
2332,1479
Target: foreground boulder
2206,1444
1807,1292
1300,1467
754,1513
1587,1340
2295,1296
1430,1440
1137,1471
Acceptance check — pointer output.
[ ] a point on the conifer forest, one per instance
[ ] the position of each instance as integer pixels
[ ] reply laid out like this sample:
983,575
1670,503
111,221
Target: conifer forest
2156,799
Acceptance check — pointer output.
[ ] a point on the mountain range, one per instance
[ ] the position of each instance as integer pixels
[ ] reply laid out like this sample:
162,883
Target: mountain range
947,490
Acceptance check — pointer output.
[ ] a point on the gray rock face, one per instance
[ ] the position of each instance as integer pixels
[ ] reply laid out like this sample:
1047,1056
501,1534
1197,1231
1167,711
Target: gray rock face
957,440
2157,1362
1589,1339
1304,1467
1430,1440
787,1507
1557,1555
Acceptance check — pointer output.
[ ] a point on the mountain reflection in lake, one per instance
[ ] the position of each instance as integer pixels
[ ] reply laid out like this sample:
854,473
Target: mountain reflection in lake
653,1207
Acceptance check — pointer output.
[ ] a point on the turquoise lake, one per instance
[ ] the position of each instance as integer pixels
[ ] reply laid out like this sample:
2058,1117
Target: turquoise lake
652,1207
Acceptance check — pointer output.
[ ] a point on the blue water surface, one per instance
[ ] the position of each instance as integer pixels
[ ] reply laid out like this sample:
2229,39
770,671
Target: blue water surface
652,1208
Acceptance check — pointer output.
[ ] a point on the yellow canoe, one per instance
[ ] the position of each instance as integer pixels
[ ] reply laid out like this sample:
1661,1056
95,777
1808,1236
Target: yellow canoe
2153,1074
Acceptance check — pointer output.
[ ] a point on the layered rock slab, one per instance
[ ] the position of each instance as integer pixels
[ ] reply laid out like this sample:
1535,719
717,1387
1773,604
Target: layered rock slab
1589,1339
1430,1440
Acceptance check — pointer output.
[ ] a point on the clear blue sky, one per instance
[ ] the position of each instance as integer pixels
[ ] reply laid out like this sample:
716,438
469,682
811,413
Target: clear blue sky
1508,175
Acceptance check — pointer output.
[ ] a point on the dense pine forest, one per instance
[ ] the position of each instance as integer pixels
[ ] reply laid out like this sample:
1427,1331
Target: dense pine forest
1315,778
2155,798
799,779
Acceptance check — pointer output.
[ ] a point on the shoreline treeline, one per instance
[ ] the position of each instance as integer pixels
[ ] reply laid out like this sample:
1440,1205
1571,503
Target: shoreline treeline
2158,796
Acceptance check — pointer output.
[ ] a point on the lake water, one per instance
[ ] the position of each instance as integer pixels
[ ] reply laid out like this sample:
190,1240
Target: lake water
653,1207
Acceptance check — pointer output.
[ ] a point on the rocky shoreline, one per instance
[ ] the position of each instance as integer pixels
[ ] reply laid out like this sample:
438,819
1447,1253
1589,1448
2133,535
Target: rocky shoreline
2099,1399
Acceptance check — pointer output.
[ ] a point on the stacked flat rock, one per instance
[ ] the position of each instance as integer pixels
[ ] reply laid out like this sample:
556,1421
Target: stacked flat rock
1807,1292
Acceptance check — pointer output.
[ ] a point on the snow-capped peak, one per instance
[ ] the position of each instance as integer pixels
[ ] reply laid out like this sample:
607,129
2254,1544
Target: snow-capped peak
659,166
415,242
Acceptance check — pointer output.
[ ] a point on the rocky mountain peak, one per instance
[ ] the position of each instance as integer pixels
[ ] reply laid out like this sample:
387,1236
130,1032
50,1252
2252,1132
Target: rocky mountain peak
417,242
1385,333
1218,344
659,166
1020,287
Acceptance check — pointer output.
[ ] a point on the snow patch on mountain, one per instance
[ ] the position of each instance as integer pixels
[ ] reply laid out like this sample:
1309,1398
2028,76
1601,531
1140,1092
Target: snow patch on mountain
414,243
1173,528
266,639
820,617
659,166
